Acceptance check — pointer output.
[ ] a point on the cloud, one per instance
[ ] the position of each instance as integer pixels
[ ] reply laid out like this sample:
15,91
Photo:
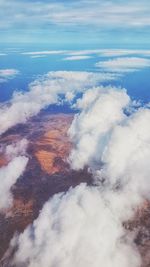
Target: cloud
6,74
115,146
124,64
103,13
16,149
128,151
45,91
69,53
39,53
84,226
74,54
37,21
8,176
123,52
38,56
76,228
17,160
84,52
76,57
101,108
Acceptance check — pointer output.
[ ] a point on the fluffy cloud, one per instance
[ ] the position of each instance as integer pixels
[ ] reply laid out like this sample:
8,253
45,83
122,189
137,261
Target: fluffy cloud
128,150
103,134
45,91
101,108
76,229
115,146
8,176
124,64
6,74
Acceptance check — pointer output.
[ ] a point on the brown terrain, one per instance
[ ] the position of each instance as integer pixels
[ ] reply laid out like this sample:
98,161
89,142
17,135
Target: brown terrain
48,173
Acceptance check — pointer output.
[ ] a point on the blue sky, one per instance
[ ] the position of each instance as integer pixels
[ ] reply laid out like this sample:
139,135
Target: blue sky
93,22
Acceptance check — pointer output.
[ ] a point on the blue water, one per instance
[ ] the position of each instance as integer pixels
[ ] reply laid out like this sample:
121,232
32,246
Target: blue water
137,83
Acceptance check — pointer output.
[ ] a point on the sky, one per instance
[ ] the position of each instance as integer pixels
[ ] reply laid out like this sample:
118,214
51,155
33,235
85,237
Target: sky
80,22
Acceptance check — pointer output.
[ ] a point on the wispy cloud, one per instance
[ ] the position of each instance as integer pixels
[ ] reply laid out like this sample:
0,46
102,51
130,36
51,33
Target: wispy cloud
39,53
38,56
124,64
123,52
71,58
84,52
6,74
104,15
74,54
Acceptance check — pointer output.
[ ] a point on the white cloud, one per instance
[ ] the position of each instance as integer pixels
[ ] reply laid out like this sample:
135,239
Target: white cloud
38,53
16,149
69,53
6,74
8,176
124,64
76,229
100,14
84,52
115,146
101,108
129,146
123,52
76,57
16,164
38,56
45,91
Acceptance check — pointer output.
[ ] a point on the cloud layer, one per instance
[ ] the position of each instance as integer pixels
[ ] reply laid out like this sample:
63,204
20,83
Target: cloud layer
83,12
37,21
